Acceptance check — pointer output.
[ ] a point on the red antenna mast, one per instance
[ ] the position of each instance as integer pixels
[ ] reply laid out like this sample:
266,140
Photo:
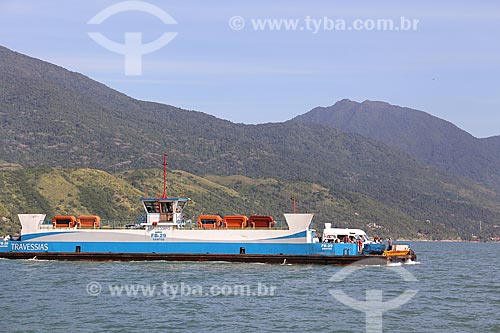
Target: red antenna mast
164,196
294,199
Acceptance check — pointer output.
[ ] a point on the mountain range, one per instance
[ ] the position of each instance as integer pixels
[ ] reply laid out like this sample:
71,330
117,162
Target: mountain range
431,140
53,119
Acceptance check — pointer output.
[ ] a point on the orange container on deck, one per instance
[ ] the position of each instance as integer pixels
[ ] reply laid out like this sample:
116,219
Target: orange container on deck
64,221
235,221
88,221
209,221
261,221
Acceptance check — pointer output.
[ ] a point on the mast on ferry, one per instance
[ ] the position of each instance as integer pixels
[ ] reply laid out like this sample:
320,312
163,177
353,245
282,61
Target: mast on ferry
164,196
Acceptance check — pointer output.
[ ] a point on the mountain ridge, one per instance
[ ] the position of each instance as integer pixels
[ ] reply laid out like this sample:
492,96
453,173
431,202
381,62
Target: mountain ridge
431,140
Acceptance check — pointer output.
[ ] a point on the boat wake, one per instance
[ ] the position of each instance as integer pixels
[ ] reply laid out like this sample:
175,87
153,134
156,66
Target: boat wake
36,259
394,264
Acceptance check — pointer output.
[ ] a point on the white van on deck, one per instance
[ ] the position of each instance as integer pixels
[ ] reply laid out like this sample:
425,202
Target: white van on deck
338,235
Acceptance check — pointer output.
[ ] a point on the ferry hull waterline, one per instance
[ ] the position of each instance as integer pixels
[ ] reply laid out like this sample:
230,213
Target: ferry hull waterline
163,234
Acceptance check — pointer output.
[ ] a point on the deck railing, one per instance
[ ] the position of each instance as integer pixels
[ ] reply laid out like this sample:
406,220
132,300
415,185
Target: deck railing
136,224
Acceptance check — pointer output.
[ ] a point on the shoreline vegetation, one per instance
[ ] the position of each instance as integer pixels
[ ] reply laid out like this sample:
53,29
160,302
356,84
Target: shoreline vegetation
446,240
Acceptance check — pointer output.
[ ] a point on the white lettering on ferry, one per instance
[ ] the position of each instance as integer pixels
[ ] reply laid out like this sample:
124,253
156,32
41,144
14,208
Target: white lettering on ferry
158,235
30,246
326,247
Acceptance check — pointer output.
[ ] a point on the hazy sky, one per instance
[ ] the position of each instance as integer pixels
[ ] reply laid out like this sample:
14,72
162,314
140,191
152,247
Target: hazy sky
448,66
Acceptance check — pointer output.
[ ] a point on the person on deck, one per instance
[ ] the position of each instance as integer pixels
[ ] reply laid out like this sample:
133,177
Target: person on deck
360,245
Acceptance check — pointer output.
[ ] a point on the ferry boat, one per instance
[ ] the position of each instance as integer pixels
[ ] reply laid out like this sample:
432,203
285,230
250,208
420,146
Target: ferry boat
165,235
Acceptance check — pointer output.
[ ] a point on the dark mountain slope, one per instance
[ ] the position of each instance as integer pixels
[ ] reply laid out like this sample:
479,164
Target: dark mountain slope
427,138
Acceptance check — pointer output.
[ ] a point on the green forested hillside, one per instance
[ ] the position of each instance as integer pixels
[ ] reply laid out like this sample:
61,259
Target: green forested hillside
51,117
87,191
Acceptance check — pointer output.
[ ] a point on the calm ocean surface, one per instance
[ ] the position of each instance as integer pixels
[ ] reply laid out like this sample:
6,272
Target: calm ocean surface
458,291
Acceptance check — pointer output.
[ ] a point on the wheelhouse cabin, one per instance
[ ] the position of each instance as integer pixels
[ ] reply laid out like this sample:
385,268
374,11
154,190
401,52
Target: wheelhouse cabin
166,211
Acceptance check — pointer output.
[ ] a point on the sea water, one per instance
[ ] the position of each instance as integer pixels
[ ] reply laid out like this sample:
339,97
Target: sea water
454,287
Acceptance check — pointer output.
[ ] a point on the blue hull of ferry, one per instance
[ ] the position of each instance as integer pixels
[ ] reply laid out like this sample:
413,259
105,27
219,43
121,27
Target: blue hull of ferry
324,249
